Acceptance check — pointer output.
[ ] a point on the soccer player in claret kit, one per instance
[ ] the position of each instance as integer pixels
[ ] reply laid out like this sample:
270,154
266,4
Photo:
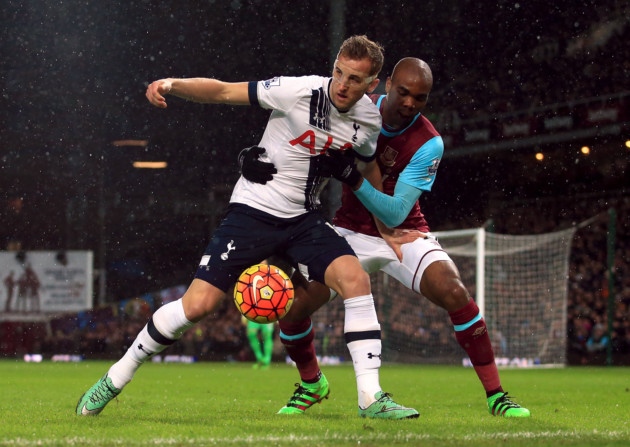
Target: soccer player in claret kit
310,115
409,151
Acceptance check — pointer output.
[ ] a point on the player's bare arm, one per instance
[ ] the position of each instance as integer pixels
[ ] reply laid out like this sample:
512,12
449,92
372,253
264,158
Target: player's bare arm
202,90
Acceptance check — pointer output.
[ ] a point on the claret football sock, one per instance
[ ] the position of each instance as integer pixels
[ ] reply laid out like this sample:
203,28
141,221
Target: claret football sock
472,335
297,339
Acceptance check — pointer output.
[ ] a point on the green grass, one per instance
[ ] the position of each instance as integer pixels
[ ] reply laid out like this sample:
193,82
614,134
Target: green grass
232,405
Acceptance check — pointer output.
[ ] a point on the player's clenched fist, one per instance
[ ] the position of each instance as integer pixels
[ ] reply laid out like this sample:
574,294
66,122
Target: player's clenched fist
156,91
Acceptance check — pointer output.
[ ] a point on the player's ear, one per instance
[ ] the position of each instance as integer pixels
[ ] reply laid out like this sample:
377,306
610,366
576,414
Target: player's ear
373,85
388,85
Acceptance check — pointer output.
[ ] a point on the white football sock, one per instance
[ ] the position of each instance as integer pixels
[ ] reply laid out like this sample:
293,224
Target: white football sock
362,333
166,326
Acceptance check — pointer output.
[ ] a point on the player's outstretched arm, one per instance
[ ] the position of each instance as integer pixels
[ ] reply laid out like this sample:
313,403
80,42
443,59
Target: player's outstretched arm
203,90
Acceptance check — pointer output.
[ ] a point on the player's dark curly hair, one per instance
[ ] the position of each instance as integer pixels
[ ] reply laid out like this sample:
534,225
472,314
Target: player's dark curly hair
360,47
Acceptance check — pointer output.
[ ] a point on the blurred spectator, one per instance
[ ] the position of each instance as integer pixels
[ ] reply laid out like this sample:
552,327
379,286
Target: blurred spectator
598,341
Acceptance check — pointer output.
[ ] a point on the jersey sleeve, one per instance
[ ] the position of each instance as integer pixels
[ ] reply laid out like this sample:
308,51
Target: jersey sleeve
422,169
417,177
391,210
367,152
279,93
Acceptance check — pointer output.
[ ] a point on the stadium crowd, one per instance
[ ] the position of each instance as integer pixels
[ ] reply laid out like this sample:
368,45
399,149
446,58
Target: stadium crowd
568,58
106,332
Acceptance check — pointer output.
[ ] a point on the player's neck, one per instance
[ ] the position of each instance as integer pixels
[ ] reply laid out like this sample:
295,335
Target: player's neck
395,125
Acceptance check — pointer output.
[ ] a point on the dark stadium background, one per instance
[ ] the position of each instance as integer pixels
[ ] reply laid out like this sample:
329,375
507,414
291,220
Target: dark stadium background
73,76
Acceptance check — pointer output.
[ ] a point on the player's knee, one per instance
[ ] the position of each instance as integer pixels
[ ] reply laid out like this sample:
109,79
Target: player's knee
456,296
448,293
346,277
299,310
355,284
200,301
308,298
196,310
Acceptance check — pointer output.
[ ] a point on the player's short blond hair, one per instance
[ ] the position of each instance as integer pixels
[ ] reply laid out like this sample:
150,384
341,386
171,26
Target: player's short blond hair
360,47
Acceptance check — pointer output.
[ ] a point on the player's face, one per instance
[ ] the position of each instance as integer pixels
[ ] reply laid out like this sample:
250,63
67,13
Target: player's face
407,95
351,80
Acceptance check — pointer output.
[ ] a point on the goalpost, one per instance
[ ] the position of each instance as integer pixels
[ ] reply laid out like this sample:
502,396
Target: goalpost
518,282
521,289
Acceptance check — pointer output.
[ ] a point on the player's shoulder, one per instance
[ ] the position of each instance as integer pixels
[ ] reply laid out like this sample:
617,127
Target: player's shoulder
310,82
366,101
284,92
376,98
428,125
367,110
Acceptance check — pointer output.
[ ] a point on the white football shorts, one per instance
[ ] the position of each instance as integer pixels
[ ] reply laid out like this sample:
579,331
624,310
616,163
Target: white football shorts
374,255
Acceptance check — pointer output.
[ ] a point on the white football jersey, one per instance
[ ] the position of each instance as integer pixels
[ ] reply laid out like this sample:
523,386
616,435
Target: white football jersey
303,124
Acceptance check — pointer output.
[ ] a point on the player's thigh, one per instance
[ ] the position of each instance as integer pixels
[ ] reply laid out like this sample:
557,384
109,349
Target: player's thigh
346,276
417,257
373,252
442,285
309,297
315,244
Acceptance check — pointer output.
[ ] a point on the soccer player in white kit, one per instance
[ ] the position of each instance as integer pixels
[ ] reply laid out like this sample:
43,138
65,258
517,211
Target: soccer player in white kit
409,151
309,116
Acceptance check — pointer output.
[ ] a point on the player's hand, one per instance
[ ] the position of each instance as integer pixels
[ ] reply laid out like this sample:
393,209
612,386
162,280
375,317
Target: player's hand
396,238
340,165
156,91
252,168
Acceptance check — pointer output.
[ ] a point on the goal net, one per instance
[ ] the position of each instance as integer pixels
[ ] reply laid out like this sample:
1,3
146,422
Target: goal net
518,282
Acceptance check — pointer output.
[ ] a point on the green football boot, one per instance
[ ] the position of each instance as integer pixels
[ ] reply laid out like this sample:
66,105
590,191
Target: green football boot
94,400
386,408
501,405
305,396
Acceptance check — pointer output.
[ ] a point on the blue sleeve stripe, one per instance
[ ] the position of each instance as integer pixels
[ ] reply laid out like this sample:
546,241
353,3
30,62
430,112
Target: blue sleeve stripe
463,327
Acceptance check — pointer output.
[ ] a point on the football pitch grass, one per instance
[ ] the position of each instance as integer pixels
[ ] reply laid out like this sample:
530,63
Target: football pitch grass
230,404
